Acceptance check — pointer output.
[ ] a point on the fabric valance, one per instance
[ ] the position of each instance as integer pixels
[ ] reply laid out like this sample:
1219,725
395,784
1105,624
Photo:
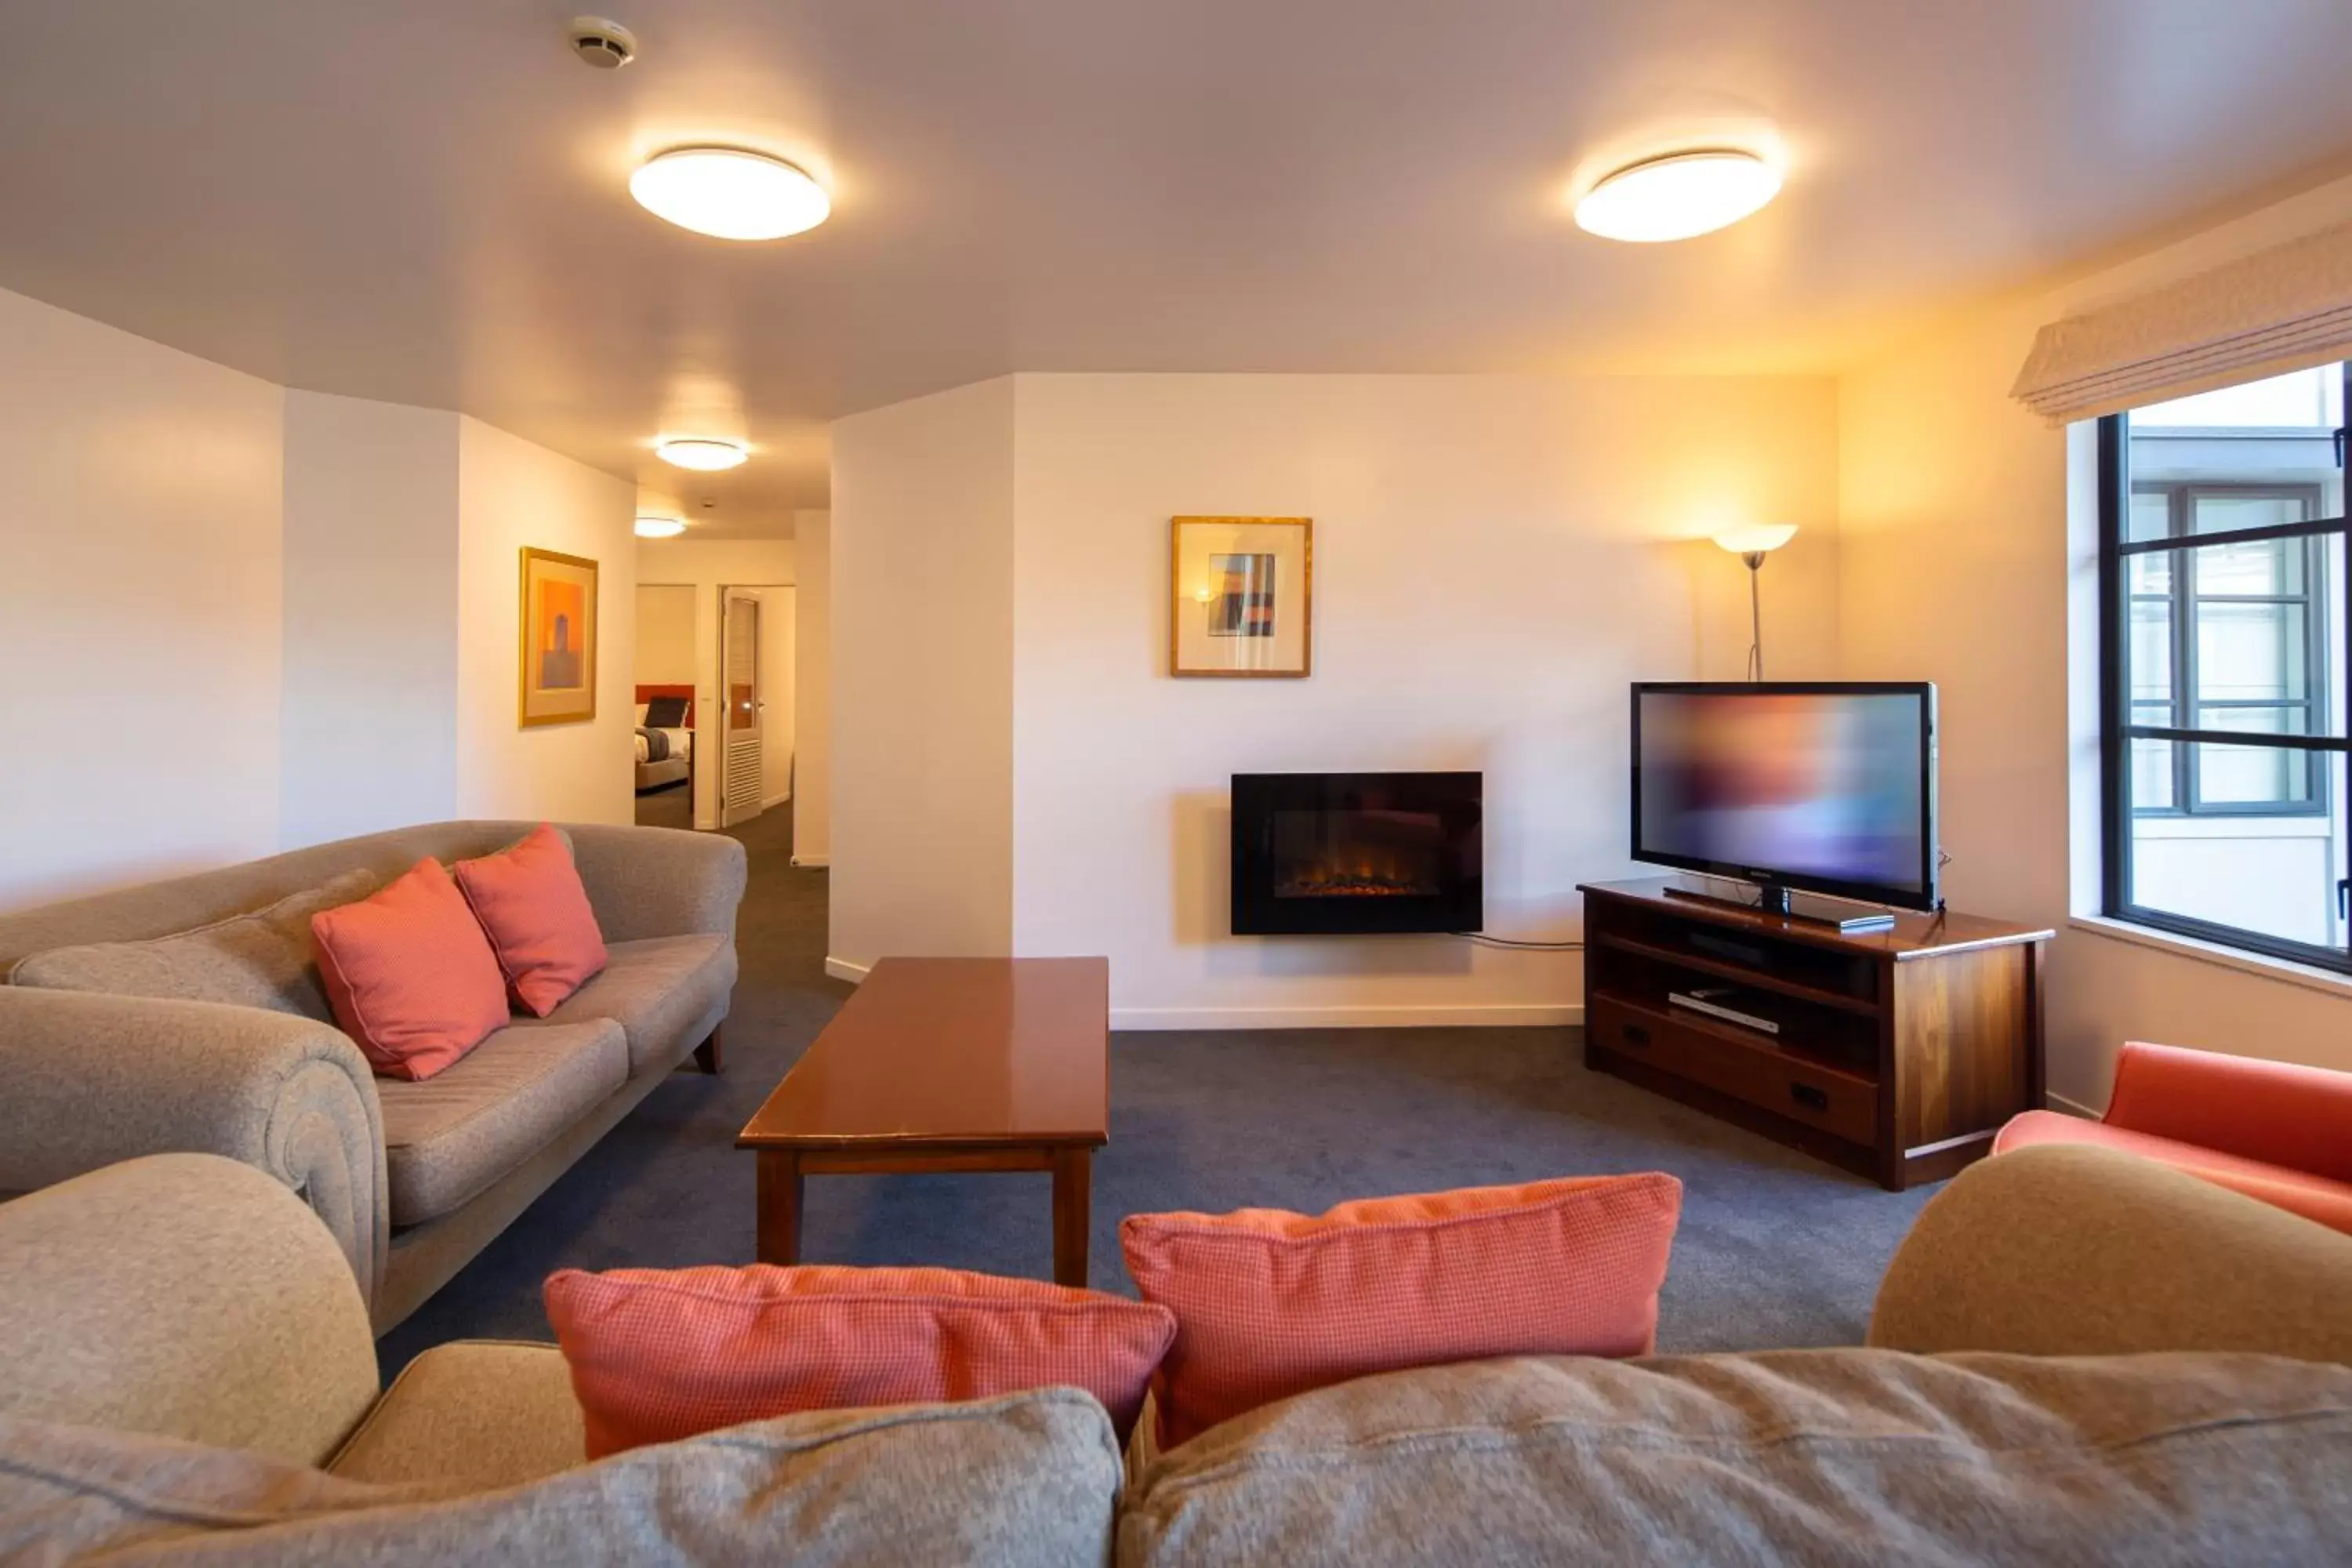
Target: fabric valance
2288,308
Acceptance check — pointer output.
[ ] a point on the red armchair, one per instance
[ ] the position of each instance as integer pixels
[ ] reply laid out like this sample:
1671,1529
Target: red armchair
2271,1131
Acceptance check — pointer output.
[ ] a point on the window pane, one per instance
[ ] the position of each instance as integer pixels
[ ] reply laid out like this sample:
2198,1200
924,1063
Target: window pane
2151,774
2250,653
2223,513
2266,566
2245,776
2150,656
2272,874
2149,574
2151,514
2297,398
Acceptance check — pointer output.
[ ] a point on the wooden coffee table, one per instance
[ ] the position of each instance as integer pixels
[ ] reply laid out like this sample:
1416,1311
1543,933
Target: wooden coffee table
948,1064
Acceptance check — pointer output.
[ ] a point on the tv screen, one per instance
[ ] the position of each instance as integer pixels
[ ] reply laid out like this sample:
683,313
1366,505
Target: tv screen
1827,787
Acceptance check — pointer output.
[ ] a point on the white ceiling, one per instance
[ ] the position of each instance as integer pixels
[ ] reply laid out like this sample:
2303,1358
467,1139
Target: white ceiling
423,200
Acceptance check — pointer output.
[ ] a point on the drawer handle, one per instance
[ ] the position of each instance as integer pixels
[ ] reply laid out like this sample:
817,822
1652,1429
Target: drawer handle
1809,1097
1636,1035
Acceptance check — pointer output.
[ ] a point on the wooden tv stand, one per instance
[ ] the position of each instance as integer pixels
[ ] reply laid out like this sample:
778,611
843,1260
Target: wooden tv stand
1900,1053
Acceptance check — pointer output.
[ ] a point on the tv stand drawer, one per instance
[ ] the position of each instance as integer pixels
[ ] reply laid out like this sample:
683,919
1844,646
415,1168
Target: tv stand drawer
1761,1073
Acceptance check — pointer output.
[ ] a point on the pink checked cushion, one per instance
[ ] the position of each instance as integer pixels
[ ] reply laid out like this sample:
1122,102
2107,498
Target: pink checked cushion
530,902
409,974
1269,1304
658,1354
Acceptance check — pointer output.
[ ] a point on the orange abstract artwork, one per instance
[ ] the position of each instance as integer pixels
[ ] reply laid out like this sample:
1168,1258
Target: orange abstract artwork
558,638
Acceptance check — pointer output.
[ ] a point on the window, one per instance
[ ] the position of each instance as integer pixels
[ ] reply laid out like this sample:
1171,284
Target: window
2223,642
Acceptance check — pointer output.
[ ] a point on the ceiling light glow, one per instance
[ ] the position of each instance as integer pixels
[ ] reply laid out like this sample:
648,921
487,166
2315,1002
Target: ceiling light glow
1678,197
660,527
707,453
729,193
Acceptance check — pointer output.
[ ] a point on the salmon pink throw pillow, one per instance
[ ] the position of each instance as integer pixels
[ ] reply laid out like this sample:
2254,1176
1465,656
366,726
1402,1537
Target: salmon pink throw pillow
659,1354
530,902
409,974
1270,1303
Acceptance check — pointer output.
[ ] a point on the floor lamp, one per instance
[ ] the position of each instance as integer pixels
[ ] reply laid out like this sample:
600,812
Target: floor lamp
1751,542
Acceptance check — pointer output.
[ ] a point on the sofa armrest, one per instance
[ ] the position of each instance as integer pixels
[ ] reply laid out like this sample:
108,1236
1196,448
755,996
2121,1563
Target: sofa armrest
2299,1117
2062,1249
658,881
88,1079
183,1296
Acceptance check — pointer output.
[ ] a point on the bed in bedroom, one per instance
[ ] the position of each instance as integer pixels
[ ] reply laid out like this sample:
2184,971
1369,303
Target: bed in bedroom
664,738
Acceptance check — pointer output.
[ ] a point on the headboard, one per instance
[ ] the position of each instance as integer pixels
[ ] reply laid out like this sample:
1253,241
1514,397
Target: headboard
649,689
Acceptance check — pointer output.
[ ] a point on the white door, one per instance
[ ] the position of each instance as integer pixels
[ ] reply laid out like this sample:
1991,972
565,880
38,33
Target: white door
742,770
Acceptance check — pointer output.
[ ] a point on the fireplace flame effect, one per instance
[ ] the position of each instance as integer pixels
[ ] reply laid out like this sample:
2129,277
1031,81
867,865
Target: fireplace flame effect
1364,879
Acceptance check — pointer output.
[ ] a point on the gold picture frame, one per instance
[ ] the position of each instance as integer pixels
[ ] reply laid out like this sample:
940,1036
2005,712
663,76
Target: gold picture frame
557,676
1241,597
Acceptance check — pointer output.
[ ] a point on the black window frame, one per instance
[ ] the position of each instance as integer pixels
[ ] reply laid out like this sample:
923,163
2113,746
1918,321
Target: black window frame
2118,730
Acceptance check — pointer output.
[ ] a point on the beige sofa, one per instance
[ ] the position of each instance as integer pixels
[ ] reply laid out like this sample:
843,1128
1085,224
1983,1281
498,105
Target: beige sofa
412,1179
189,1373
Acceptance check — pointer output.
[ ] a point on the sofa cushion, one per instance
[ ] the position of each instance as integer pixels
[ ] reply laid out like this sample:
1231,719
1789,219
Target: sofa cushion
265,959
412,977
1270,1303
532,906
480,1414
662,1353
2297,1192
665,992
447,1137
1026,1481
1817,1456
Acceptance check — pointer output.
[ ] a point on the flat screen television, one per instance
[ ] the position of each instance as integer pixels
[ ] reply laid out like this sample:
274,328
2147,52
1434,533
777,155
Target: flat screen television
1817,787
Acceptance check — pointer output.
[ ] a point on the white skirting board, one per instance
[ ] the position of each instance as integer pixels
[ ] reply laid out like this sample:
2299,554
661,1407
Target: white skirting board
1493,1015
2072,1108
812,862
774,800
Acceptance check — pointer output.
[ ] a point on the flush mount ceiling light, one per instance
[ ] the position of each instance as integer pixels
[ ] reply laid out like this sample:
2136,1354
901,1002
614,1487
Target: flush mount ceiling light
704,452
729,193
1678,197
660,527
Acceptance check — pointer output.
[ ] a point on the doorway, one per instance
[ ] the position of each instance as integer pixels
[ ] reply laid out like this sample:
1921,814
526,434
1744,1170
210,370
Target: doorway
755,684
663,767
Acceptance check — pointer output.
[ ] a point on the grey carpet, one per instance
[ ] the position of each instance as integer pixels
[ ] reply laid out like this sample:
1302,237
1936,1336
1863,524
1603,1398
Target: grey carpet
1775,1250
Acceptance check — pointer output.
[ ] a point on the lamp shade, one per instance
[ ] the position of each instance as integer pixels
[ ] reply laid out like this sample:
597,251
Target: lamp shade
1756,538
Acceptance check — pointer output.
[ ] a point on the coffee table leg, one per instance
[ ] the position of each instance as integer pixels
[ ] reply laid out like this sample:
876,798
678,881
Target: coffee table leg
779,1189
1073,1202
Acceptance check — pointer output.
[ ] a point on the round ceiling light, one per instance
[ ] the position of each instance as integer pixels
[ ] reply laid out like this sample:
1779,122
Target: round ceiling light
1678,197
729,194
705,452
660,527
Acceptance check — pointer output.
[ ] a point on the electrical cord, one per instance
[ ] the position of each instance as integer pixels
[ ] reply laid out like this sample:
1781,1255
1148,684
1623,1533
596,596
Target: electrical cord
1484,941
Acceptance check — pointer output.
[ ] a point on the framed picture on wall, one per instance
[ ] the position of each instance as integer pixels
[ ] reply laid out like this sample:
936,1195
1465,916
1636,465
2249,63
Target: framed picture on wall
1243,596
558,638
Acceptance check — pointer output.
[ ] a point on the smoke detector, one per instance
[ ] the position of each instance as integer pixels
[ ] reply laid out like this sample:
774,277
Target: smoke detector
607,46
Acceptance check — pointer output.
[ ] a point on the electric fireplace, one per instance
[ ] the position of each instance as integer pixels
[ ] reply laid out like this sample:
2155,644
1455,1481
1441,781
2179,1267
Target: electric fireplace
1329,854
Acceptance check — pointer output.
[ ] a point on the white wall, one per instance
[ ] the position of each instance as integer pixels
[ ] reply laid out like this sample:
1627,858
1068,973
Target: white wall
511,494
813,694
1968,551
140,583
370,617
1494,560
922,606
664,634
709,565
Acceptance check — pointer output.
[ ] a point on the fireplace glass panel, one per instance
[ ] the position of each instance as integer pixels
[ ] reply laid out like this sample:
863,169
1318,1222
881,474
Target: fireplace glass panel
1359,854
